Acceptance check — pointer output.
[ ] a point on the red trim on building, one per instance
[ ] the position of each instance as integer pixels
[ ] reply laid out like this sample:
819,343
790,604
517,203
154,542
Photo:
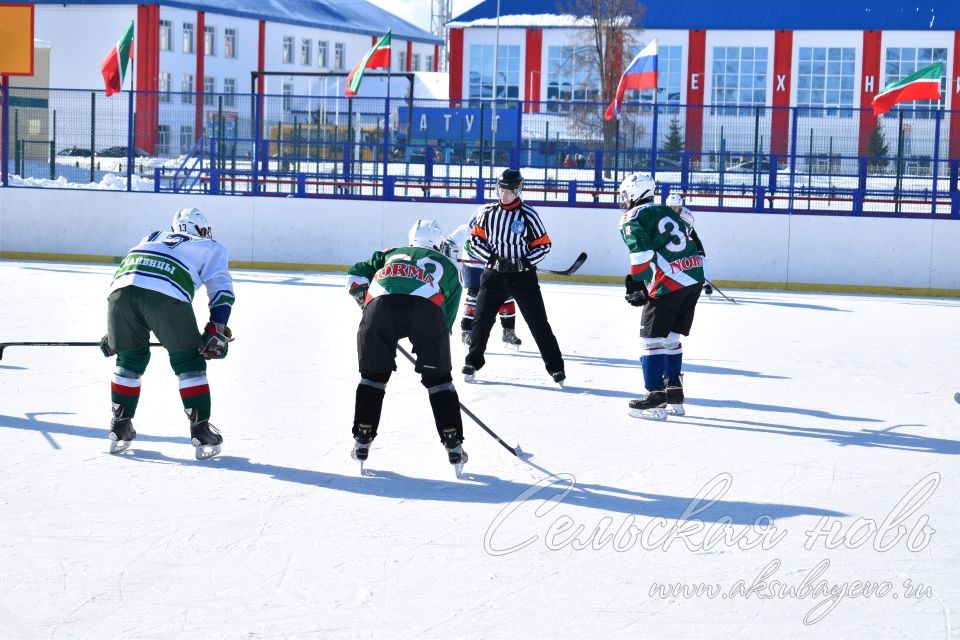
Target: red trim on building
409,56
147,61
696,82
436,57
533,78
456,66
780,118
201,53
954,93
869,85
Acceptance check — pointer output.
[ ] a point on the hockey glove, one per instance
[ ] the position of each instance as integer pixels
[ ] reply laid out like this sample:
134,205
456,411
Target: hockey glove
359,293
637,294
105,347
215,341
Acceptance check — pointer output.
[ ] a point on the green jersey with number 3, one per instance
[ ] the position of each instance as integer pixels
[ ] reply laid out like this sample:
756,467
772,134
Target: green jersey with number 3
412,271
662,252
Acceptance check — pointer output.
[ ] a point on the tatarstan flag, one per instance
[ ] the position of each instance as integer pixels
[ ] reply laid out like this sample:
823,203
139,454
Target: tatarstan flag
378,57
922,85
114,66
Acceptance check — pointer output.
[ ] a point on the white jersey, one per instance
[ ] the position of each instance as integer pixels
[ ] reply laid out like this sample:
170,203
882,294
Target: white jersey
177,264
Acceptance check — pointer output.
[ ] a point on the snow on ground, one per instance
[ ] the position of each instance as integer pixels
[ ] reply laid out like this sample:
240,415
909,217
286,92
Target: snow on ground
806,413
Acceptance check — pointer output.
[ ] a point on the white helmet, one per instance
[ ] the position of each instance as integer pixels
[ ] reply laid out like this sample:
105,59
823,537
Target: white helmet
426,234
636,188
192,222
674,200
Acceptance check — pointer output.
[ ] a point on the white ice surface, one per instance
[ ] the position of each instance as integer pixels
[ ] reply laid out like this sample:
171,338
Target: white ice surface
812,405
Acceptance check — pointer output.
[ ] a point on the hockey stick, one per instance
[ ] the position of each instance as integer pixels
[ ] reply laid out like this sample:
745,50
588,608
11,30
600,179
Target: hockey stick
717,289
517,451
572,269
4,345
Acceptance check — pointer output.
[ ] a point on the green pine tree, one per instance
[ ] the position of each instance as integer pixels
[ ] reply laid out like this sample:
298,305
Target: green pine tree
673,146
877,149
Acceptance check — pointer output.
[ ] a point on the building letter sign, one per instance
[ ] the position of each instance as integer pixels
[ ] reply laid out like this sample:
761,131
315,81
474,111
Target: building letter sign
868,84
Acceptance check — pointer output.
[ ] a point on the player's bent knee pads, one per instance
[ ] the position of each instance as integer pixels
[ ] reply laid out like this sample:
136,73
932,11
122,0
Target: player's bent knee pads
134,361
672,341
375,380
187,362
437,384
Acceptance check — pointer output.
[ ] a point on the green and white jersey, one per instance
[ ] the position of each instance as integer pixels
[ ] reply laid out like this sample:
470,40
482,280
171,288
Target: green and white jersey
663,254
177,264
412,271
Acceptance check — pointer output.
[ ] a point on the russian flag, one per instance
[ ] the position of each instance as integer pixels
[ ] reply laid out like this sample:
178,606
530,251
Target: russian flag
641,73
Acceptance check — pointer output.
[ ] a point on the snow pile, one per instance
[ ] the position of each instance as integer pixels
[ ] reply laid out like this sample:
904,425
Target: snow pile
109,182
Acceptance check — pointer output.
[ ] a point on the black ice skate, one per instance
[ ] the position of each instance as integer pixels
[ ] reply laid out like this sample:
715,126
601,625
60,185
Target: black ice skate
204,436
510,340
469,373
121,430
652,406
675,397
559,377
361,445
455,453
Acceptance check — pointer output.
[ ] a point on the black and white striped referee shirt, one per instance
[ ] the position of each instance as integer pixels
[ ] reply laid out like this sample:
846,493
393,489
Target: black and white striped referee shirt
510,232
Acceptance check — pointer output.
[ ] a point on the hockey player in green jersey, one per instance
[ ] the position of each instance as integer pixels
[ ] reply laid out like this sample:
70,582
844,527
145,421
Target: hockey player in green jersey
666,276
407,292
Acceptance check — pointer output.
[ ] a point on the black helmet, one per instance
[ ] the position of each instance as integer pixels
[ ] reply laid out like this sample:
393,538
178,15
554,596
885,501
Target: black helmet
510,179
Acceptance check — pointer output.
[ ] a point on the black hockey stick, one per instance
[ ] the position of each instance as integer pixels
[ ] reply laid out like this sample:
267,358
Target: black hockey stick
717,289
4,345
572,269
517,451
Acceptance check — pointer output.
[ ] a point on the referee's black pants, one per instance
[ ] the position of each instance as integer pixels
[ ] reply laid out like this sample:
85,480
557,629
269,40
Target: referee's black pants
523,287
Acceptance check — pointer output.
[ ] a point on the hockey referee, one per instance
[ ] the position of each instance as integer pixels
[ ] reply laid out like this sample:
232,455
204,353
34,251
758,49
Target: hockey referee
510,237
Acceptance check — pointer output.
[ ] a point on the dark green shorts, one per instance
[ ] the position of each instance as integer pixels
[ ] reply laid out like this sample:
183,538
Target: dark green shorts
132,313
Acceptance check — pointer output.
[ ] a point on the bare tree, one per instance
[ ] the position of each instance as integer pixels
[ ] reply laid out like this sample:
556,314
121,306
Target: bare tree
607,32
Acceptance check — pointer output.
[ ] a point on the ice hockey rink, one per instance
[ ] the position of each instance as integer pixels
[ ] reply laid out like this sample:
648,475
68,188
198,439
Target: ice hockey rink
809,492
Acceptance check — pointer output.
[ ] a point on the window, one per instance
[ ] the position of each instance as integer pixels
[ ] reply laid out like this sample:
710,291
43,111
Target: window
288,49
163,86
229,91
482,72
166,35
739,79
163,139
401,61
569,77
210,41
429,65
186,138
188,37
323,55
306,50
186,88
339,55
209,84
287,94
229,43
416,62
825,78
901,62
669,79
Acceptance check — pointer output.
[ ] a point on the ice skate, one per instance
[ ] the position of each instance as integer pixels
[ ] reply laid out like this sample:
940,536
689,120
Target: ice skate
361,445
510,340
675,398
559,377
652,406
469,373
121,430
455,453
204,436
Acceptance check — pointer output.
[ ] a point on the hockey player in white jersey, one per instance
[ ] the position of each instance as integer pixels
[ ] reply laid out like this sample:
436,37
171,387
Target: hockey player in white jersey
152,290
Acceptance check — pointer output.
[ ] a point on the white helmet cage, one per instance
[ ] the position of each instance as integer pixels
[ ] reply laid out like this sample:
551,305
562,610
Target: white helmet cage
636,188
426,234
674,200
192,222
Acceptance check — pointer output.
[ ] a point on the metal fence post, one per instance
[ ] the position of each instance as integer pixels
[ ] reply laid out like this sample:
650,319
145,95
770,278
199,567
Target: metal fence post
936,162
130,154
793,159
480,189
4,128
93,132
214,187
